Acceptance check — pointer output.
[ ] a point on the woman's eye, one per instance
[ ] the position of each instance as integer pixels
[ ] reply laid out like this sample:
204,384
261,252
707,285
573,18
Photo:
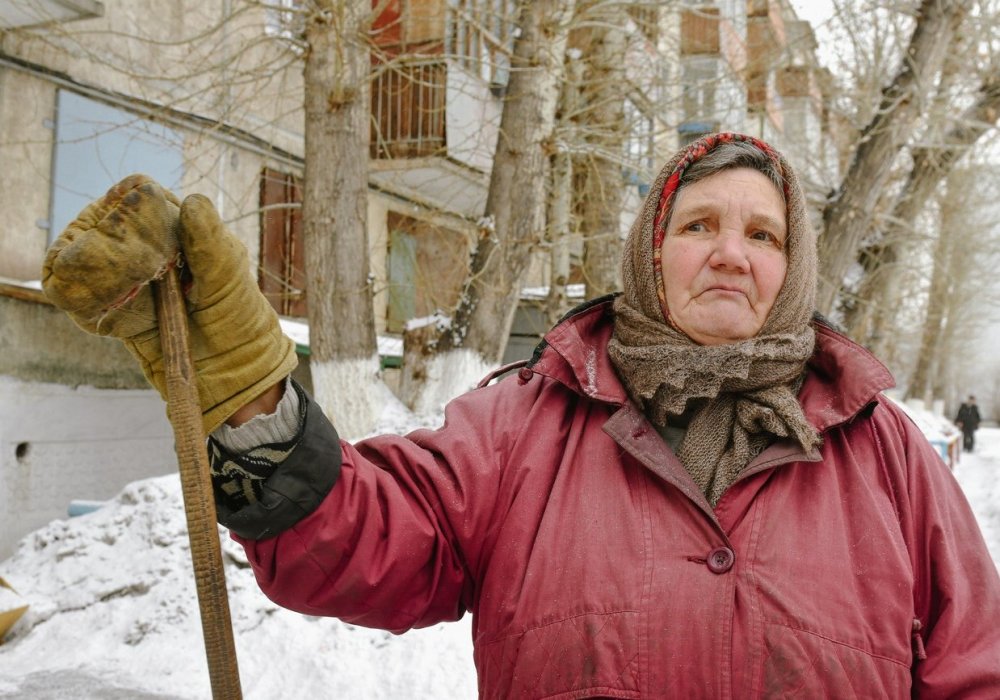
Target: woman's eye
766,237
695,227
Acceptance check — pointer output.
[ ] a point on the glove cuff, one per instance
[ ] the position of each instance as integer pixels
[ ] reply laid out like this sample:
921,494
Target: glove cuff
238,478
262,429
216,414
288,485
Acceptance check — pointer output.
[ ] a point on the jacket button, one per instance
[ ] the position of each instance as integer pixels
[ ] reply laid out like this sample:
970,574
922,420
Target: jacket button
720,560
524,374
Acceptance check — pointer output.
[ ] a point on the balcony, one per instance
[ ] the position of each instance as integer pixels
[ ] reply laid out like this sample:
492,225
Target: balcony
700,31
434,130
441,67
408,109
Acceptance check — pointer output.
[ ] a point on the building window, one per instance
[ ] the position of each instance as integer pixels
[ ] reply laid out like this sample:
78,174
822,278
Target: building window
480,37
96,145
638,147
285,19
647,18
700,80
282,276
426,263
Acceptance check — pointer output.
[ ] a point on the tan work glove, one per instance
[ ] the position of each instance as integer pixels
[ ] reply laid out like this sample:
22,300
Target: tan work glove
99,269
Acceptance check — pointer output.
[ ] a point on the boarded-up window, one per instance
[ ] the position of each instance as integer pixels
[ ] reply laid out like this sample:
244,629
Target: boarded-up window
426,267
282,262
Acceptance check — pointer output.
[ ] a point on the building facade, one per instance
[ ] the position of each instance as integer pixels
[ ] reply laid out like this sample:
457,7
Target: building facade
207,97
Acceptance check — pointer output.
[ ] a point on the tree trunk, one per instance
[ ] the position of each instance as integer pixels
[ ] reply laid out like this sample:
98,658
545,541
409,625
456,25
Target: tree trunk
968,273
343,354
927,357
848,215
561,194
878,294
604,91
514,218
559,220
954,284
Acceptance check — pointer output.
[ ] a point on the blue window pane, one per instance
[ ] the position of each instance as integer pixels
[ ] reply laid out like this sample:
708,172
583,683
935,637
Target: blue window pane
97,145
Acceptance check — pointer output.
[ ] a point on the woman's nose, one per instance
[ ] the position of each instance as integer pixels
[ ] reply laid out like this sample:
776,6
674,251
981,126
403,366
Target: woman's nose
730,251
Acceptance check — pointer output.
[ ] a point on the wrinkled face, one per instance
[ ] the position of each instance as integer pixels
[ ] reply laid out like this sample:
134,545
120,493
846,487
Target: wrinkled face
723,258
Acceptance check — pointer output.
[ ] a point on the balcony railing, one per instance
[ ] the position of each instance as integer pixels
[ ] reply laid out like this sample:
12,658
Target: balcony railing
408,108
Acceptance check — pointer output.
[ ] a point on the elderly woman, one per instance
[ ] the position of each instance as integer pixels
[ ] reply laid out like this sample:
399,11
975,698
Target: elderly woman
693,489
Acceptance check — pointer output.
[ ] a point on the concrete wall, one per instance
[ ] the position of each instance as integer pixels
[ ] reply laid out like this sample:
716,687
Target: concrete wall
27,108
59,444
40,343
61,437
188,60
216,59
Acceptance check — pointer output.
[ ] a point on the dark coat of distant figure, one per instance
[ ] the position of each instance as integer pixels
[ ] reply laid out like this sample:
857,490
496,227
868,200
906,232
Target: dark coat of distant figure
968,420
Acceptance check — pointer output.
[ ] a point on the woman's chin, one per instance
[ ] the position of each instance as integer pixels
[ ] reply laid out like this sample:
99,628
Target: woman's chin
721,328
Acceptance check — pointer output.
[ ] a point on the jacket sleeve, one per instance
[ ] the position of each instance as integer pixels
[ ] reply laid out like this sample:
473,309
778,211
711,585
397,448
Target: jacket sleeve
956,585
394,542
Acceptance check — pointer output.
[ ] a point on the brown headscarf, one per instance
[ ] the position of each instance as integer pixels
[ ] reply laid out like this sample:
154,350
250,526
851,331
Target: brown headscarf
737,397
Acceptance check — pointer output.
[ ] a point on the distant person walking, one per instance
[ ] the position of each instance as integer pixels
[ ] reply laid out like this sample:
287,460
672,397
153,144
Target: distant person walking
968,420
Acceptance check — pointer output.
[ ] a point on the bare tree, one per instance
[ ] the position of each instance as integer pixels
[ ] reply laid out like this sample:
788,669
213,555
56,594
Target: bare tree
343,353
848,215
870,315
514,220
604,132
959,299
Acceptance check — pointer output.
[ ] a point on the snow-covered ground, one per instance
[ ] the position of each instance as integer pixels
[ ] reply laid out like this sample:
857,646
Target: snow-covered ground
979,475
113,615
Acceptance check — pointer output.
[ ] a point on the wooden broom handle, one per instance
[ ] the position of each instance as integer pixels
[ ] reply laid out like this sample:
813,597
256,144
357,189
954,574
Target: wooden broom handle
184,412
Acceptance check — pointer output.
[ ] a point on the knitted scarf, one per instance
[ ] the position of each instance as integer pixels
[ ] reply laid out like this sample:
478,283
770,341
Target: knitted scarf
736,398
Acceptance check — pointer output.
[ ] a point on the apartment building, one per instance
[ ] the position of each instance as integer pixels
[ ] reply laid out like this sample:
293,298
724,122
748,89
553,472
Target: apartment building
751,66
207,97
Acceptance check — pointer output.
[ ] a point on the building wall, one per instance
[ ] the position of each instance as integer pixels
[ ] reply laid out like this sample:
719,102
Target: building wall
26,109
226,173
239,77
184,56
59,444
40,343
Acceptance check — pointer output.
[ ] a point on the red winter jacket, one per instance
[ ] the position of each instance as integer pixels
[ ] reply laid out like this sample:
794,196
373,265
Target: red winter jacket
551,509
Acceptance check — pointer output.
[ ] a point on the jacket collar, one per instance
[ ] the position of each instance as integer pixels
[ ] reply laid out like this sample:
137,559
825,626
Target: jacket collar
842,379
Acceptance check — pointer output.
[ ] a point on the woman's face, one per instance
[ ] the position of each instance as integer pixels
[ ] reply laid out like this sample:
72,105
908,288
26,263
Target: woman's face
723,257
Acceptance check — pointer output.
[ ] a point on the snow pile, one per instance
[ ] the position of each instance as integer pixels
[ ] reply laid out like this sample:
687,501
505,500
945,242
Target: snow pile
573,291
298,331
113,592
449,375
113,613
943,435
934,426
9,600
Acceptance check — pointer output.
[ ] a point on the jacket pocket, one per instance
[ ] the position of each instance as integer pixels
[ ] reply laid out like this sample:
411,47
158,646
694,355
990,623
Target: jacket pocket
587,655
798,663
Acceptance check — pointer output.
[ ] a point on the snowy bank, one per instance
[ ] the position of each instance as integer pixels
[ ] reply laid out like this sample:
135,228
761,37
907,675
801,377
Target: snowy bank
112,604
